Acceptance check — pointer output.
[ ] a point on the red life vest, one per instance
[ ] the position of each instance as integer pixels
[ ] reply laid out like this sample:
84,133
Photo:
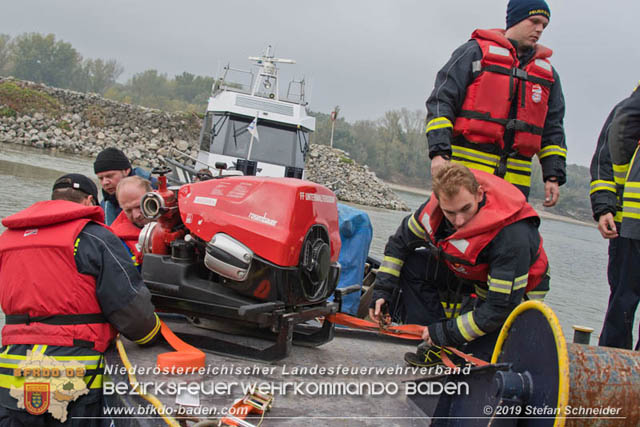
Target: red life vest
485,111
128,232
38,278
467,243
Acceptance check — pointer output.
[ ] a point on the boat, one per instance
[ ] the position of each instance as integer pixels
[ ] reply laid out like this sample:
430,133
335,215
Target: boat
250,127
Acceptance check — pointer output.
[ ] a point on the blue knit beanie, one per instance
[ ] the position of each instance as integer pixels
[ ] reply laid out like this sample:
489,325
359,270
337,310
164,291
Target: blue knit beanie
518,10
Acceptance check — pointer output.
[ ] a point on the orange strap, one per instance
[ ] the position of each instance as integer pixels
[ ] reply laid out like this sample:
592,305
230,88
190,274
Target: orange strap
408,332
185,356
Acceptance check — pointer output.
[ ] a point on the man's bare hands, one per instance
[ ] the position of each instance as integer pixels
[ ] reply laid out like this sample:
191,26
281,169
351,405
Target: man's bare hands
607,227
436,163
551,193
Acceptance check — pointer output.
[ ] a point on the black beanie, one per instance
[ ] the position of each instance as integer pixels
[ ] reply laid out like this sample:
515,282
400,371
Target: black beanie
111,159
518,10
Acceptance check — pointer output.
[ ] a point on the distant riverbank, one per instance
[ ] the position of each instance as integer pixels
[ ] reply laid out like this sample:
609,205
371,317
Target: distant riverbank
538,206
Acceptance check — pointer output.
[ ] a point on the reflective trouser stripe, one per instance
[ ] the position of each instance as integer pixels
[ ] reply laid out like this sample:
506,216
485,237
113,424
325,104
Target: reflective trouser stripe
551,150
416,228
537,295
468,327
600,185
439,123
391,266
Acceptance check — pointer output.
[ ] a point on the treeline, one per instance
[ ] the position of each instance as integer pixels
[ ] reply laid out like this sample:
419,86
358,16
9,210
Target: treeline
394,146
43,59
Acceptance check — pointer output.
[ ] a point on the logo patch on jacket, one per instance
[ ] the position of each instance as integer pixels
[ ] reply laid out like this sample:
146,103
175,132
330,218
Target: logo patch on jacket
36,398
536,93
31,232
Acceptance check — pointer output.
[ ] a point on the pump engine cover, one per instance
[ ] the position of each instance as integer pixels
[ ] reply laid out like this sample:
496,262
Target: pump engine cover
271,216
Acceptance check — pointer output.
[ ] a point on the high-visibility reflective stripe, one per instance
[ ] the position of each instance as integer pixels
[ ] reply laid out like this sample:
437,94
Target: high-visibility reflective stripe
475,155
475,166
498,50
438,123
468,327
600,185
151,334
391,266
618,216
85,360
6,381
416,228
519,165
481,292
517,179
536,295
520,282
501,286
620,173
450,309
552,150
630,192
460,244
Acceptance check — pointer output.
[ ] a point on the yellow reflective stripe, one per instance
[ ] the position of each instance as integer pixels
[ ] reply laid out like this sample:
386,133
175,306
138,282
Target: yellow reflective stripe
520,282
151,334
634,215
6,381
475,166
75,246
439,123
468,327
600,185
393,260
536,295
618,216
620,173
481,292
519,165
501,286
391,266
475,155
552,150
416,228
517,179
450,309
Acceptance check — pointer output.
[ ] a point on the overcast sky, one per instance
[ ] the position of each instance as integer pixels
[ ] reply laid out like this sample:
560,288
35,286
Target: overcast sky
366,56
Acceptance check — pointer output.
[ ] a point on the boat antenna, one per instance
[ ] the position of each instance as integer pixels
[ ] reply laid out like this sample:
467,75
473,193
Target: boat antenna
268,73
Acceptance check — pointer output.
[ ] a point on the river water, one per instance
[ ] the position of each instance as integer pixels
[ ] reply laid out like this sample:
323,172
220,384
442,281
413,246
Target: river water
577,253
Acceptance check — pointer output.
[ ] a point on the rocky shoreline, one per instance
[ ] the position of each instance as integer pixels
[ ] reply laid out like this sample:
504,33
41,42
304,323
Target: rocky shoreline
84,124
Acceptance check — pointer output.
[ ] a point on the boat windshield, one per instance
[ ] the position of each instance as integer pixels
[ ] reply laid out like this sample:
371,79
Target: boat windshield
276,143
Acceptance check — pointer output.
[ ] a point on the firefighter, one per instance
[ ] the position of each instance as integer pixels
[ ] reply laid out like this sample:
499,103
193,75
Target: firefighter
482,230
129,222
498,102
67,287
615,197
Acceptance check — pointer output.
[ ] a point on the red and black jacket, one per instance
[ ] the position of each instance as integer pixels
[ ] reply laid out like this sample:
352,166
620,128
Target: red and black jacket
485,111
128,233
45,299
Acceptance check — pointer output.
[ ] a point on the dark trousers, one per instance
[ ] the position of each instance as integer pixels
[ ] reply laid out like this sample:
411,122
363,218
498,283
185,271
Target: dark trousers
624,280
423,281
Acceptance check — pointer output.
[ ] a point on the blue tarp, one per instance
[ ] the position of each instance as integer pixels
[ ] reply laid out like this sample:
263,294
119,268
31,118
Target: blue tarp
356,233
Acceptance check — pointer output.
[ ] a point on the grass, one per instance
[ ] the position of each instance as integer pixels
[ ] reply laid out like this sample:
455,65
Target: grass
26,101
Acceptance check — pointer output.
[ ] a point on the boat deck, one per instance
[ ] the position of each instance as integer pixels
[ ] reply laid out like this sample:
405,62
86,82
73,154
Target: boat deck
355,379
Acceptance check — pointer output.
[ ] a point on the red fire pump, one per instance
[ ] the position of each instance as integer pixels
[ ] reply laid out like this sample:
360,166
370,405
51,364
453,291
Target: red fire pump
254,252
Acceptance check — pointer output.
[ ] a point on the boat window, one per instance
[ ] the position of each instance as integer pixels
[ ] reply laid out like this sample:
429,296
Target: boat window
276,144
213,125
